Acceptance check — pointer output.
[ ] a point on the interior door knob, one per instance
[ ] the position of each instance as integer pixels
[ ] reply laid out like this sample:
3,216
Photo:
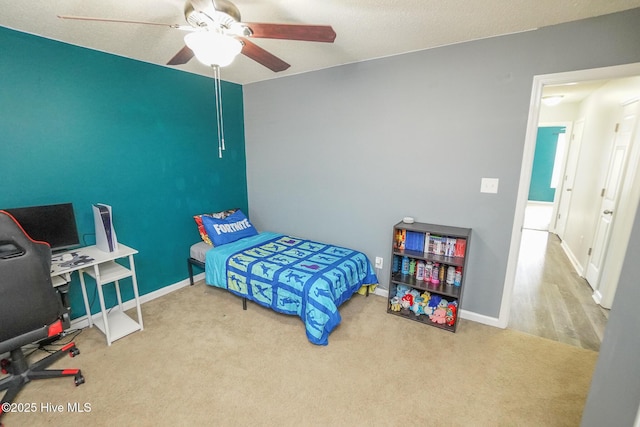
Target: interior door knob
607,212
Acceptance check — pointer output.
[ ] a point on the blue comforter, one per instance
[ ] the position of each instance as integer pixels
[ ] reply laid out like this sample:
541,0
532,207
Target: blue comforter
291,276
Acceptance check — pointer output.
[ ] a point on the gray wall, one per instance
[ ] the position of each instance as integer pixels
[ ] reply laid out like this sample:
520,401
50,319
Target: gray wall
344,153
615,388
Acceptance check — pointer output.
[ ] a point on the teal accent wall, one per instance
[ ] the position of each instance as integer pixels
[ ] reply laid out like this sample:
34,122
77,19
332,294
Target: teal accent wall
82,126
544,158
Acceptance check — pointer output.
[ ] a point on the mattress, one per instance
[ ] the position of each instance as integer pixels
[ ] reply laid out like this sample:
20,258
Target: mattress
199,251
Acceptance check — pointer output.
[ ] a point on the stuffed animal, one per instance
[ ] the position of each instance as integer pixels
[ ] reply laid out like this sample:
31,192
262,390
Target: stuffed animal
418,307
395,304
451,313
407,301
426,296
432,305
439,316
402,290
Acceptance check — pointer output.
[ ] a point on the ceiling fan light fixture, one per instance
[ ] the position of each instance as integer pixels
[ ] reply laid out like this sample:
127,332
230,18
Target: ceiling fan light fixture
213,48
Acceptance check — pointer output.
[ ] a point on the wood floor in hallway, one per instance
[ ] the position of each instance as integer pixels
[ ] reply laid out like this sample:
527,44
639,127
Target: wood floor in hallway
550,299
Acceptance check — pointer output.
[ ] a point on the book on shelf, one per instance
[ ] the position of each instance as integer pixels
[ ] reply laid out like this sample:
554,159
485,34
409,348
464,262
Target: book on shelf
460,247
449,249
400,239
427,238
414,241
435,245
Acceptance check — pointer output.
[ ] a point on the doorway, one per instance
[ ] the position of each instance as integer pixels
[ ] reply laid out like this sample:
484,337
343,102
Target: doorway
519,235
550,299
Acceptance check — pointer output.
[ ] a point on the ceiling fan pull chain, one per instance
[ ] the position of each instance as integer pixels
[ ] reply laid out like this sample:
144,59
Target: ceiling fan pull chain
221,115
216,82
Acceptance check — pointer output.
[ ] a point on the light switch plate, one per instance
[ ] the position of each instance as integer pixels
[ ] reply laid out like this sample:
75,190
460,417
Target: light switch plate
489,185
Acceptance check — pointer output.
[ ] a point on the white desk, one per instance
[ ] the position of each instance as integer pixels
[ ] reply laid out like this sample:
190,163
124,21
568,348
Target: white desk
101,266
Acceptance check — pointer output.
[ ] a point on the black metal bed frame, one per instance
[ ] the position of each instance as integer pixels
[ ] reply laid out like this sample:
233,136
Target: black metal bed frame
191,262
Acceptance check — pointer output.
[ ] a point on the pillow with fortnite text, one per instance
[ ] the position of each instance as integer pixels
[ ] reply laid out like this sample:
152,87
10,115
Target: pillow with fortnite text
202,231
226,230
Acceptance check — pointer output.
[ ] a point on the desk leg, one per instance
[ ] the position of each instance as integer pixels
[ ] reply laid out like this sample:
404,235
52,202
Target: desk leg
132,267
86,300
102,307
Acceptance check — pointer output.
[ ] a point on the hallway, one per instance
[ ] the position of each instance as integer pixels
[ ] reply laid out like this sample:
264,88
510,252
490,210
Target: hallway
549,299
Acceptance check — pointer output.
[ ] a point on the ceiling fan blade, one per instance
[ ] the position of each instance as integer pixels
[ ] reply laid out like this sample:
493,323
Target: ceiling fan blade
182,57
310,33
263,57
89,18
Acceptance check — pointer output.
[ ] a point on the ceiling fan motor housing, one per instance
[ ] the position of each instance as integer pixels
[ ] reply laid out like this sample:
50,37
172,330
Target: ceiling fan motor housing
212,13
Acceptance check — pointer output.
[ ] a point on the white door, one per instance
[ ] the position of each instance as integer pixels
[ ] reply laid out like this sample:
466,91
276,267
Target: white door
566,185
610,195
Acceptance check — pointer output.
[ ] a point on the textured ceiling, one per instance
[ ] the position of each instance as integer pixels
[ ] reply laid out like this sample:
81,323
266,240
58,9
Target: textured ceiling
366,29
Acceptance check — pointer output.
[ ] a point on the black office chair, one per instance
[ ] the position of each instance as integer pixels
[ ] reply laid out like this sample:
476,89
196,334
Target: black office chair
31,310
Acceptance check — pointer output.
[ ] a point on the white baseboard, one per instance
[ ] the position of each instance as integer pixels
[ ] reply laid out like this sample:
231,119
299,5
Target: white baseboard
572,259
83,322
381,291
597,297
481,318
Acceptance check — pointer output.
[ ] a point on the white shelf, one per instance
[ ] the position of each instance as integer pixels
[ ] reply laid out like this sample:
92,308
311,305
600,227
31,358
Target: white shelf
120,324
58,281
102,267
109,272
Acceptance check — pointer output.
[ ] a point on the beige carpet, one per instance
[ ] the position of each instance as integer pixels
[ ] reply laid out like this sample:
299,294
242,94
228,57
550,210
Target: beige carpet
203,361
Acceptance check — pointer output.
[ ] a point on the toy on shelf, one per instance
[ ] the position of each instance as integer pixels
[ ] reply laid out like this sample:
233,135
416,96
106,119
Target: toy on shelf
452,308
395,304
431,307
406,301
418,307
439,316
437,309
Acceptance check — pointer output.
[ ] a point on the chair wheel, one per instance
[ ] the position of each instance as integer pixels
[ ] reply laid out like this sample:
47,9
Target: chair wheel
74,351
78,379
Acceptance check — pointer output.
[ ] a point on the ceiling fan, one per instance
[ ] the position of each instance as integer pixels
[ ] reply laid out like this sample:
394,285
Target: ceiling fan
218,23
217,34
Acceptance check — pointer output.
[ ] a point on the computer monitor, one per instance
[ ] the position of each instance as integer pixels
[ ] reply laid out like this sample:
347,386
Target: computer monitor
54,224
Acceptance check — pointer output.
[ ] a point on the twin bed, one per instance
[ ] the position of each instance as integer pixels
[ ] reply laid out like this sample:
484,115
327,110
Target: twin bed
285,273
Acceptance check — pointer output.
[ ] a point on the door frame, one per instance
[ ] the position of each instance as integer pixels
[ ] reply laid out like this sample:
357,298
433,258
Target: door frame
539,81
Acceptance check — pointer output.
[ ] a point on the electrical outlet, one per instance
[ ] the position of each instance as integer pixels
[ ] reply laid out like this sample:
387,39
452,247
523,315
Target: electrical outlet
379,262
